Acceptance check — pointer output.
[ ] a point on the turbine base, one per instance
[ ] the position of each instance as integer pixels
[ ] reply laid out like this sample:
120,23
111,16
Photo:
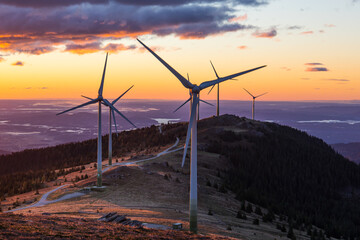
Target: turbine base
193,216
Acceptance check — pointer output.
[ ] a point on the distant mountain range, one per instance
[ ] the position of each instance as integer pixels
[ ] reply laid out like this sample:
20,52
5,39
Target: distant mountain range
349,150
28,124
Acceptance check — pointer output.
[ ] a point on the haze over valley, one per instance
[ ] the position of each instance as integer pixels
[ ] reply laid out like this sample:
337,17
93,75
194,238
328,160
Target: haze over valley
33,124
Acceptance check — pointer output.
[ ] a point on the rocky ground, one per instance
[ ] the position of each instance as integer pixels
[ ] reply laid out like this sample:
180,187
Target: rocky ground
18,226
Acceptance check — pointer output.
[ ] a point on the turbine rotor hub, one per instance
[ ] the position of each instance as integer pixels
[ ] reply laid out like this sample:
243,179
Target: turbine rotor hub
195,89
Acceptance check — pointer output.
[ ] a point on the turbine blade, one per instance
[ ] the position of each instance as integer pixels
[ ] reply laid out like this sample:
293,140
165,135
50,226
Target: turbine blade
207,103
188,134
210,83
113,102
113,115
214,70
92,99
113,108
211,89
260,95
87,97
249,93
182,104
103,77
184,82
82,105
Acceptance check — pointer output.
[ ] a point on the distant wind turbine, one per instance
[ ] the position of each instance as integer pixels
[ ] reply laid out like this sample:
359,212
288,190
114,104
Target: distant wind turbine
218,91
112,116
100,100
253,103
192,129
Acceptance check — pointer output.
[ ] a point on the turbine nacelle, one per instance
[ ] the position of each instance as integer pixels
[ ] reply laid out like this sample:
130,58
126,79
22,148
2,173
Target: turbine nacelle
195,89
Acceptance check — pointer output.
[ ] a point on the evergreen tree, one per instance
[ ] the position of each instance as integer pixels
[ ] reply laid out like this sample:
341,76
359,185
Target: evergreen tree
291,234
249,208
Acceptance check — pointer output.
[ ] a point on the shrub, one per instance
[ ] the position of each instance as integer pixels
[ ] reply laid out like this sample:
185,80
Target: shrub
258,211
249,208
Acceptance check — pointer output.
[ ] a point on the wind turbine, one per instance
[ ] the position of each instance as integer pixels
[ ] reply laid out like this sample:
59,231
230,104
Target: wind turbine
190,100
253,105
112,116
192,129
218,91
100,100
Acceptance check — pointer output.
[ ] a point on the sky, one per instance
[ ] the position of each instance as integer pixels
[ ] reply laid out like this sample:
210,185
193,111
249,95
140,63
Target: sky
51,49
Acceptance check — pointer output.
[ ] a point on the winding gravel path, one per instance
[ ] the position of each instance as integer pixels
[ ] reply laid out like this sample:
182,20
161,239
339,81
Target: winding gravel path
43,200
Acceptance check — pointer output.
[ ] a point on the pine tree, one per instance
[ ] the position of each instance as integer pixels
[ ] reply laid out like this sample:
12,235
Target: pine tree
249,208
291,234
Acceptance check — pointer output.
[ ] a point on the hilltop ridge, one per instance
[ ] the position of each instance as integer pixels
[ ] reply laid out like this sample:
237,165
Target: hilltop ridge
283,171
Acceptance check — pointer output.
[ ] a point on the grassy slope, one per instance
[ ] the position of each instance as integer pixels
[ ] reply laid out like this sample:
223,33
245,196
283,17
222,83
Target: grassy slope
144,189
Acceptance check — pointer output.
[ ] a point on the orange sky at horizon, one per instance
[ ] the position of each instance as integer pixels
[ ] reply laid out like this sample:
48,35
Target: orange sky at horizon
322,65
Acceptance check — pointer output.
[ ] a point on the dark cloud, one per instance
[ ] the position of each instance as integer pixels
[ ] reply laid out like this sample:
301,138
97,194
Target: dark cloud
337,80
267,34
18,63
295,27
317,69
83,48
313,64
183,2
200,30
42,26
65,3
49,3
112,47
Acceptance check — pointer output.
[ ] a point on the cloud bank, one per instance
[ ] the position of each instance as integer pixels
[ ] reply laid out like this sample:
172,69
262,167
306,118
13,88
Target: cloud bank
317,69
81,26
267,34
18,63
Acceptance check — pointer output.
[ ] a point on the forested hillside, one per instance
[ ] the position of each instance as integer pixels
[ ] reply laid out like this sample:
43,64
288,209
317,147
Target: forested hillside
26,170
277,167
291,173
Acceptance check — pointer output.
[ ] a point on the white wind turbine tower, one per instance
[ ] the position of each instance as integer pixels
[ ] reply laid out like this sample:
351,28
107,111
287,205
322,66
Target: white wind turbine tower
253,103
112,116
192,129
100,100
218,92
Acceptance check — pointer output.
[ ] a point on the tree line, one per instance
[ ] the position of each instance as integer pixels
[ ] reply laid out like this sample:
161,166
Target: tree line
27,170
292,173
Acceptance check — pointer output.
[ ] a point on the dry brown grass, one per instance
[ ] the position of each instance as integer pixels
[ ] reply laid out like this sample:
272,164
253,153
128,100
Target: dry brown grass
44,227
142,192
